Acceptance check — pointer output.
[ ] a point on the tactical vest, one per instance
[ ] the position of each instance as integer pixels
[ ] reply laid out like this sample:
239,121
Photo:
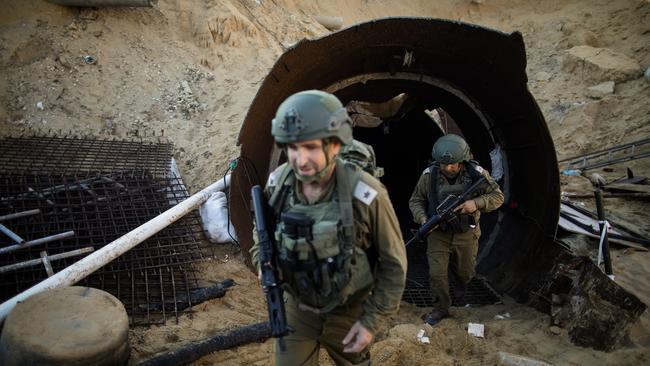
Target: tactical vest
437,194
320,263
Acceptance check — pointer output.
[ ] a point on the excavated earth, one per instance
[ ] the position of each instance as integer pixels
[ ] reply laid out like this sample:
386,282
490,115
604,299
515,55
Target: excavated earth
186,71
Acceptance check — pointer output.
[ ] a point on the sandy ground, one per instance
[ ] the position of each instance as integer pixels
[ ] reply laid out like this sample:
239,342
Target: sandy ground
186,71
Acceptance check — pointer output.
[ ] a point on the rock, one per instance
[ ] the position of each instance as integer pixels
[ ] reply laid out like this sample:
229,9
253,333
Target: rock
509,359
542,76
597,179
600,64
63,61
647,74
582,37
555,330
66,326
331,23
601,90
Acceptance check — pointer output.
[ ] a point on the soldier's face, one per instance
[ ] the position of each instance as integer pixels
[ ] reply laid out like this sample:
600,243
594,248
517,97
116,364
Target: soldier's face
450,170
308,157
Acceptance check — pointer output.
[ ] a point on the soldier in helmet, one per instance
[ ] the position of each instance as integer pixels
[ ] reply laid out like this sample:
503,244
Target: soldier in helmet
340,251
453,243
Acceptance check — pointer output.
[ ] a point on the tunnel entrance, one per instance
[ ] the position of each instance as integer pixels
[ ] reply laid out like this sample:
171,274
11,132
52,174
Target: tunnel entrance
475,75
403,140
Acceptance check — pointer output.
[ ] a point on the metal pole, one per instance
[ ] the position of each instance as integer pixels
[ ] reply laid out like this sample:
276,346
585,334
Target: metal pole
34,242
34,262
601,221
20,214
101,257
13,236
47,264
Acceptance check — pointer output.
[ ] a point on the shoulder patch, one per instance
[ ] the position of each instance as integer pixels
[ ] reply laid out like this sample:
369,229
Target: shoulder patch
426,171
274,176
364,193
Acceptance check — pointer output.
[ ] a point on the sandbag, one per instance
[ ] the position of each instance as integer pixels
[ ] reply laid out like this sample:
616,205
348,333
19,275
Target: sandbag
216,224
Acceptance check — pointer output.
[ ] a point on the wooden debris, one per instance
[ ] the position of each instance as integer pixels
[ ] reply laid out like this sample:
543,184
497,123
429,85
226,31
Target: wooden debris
598,312
195,350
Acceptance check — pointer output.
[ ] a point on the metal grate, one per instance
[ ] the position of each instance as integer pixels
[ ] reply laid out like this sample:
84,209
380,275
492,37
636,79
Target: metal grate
70,156
417,292
100,203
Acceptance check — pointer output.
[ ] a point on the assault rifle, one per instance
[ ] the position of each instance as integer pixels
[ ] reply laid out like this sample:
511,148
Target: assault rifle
270,283
445,211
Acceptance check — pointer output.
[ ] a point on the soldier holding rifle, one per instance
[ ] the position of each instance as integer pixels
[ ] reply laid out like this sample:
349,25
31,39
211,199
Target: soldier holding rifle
338,248
454,241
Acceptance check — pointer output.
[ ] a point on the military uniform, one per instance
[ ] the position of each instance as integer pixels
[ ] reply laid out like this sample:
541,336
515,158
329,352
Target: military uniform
377,266
444,246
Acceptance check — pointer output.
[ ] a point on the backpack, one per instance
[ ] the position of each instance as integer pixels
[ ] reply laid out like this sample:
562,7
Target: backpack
363,156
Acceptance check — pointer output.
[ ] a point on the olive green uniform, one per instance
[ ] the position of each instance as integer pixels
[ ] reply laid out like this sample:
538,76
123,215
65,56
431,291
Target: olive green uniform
378,284
445,248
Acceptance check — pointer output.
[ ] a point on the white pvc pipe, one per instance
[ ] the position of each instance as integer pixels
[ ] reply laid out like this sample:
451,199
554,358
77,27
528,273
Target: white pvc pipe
81,269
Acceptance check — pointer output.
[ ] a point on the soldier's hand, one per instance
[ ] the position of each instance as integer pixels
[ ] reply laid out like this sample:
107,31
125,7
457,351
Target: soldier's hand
357,339
466,207
423,221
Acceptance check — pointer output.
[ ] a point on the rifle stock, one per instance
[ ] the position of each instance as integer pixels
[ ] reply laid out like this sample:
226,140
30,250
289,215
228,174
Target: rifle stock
270,283
433,222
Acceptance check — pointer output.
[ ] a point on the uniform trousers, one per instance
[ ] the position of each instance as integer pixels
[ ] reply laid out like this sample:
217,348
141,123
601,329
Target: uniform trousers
453,252
312,331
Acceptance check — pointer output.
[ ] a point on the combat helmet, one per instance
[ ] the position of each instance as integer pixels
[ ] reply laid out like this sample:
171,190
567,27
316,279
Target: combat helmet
450,149
311,115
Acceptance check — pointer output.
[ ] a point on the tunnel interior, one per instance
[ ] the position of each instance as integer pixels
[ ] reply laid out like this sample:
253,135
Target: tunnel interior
403,142
477,76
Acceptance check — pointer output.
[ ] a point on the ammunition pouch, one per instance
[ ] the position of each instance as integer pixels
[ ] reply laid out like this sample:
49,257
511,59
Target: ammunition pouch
458,223
311,259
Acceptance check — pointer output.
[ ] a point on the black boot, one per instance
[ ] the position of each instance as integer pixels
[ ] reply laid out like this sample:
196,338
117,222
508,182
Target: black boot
435,316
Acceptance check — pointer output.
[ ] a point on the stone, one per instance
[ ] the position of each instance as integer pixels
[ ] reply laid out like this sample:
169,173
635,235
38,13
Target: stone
601,90
64,61
542,76
555,330
509,359
66,326
600,64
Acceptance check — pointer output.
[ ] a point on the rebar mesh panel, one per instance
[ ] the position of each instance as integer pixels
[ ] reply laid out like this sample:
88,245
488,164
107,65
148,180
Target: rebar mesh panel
100,207
74,155
418,293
